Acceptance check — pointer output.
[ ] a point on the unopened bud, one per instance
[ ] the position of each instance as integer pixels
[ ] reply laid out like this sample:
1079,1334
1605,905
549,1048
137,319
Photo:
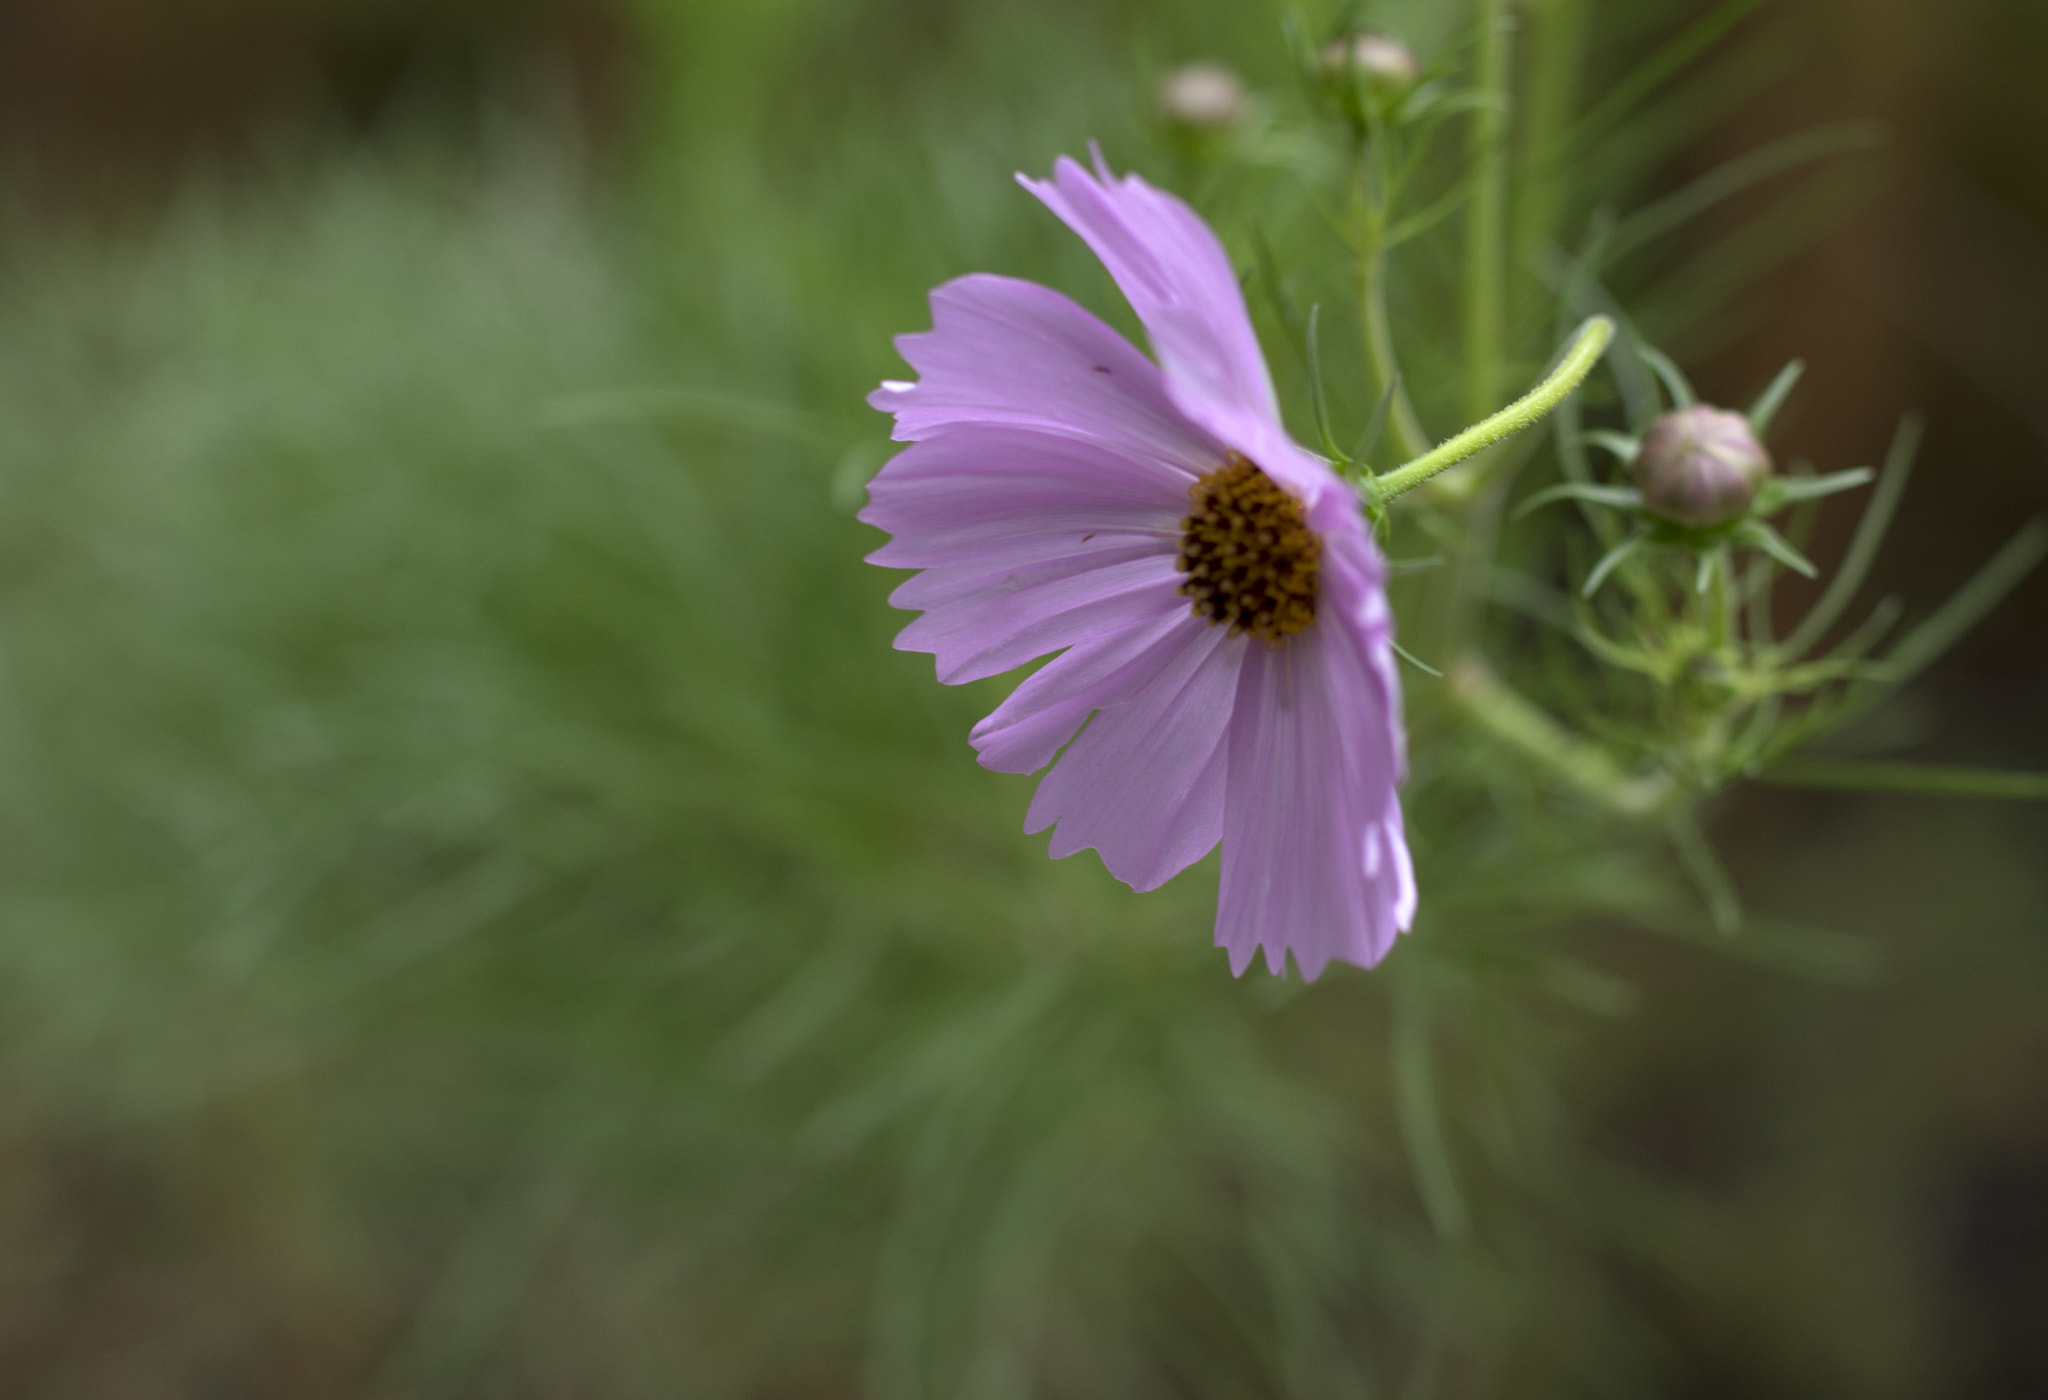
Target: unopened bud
1202,95
1387,65
1700,466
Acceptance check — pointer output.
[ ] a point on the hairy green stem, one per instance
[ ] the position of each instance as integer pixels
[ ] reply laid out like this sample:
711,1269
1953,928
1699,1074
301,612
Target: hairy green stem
1586,349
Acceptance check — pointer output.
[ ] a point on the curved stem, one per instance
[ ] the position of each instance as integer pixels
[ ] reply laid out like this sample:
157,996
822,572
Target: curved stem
1590,343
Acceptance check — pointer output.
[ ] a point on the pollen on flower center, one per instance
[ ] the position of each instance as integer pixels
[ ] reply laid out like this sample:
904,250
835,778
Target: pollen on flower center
1248,553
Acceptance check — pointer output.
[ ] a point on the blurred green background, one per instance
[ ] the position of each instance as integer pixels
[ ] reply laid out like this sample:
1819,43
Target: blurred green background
483,911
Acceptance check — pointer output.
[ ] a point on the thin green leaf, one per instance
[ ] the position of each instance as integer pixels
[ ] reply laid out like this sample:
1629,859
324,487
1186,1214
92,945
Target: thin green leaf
1919,648
1650,75
1620,497
1859,642
1804,950
1877,518
1781,491
1583,294
1456,103
1696,854
1376,426
1532,598
1726,267
1428,217
1755,737
1803,516
1267,264
1627,658
1674,210
1756,591
1926,779
1675,382
1317,400
1417,662
1420,1116
1765,409
1609,564
1761,536
1624,447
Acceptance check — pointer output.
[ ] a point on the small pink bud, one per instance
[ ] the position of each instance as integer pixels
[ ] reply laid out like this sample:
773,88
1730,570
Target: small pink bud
1206,96
1700,466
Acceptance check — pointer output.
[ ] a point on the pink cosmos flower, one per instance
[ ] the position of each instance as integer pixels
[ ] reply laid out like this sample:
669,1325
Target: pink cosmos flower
1213,592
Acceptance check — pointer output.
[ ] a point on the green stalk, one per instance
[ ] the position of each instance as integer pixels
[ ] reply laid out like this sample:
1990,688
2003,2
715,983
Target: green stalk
1557,50
1419,1114
1583,765
1923,779
1586,349
1721,621
1486,220
1379,345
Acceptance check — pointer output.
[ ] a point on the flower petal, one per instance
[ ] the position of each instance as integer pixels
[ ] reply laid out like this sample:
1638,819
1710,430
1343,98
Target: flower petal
1028,730
1007,352
1144,784
1314,861
996,496
1030,543
1177,277
980,625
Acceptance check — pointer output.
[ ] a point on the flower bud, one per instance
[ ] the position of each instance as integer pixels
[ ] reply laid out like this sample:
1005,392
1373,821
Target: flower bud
1202,96
1388,66
1700,466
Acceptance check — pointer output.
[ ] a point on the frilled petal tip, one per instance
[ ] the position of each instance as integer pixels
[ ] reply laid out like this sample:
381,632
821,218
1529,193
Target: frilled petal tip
1176,275
1315,857
1007,353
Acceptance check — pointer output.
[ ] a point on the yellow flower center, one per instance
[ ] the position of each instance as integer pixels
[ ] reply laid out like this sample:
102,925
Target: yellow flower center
1248,553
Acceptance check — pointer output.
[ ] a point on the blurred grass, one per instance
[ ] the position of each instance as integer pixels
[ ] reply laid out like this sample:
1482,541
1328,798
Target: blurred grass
484,911
513,832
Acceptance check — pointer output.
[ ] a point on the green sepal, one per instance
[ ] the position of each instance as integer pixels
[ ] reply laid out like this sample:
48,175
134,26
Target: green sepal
1758,535
1781,491
1620,497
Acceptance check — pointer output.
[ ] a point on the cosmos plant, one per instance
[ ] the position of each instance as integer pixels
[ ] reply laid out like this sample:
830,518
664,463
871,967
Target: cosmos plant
1213,588
1215,595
